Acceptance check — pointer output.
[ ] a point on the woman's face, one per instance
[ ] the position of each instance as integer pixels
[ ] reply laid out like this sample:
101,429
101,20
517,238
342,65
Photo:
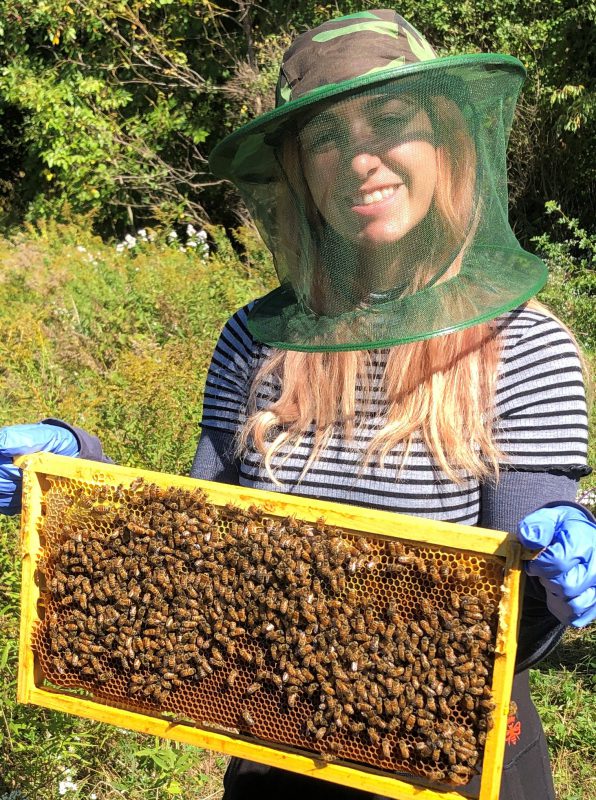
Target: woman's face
370,164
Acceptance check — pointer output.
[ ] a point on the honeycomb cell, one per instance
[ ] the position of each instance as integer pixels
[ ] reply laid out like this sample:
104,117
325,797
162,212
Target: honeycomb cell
357,648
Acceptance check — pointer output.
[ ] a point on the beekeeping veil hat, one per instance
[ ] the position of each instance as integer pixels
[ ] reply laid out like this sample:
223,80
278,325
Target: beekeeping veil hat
379,184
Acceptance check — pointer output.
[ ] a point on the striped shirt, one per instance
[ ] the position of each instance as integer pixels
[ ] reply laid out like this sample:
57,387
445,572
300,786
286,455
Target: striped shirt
541,425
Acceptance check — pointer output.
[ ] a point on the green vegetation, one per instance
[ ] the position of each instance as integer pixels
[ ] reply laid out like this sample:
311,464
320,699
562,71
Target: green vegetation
112,106
119,343
108,109
564,690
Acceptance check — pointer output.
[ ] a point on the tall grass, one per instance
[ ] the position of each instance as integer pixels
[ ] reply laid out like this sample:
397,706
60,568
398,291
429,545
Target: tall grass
119,343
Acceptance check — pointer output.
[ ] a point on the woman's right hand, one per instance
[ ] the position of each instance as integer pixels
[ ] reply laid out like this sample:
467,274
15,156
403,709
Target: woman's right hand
19,440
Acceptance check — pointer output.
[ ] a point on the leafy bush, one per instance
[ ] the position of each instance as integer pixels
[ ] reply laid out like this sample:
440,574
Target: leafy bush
571,291
111,106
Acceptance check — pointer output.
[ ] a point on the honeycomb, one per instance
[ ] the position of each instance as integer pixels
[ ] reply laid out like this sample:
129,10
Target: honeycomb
348,647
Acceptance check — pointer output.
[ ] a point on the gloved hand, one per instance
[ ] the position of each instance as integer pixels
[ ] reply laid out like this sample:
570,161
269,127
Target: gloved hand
566,567
17,440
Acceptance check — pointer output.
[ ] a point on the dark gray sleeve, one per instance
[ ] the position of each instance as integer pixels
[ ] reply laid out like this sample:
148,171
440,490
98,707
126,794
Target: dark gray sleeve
89,446
502,507
214,459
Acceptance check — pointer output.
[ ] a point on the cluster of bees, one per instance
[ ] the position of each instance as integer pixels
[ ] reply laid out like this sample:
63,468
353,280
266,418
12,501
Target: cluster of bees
166,590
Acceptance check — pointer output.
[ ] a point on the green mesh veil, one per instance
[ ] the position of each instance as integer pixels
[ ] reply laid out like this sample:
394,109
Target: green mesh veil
379,185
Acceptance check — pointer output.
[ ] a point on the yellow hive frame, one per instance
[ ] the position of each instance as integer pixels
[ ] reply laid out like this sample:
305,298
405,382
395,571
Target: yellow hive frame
350,518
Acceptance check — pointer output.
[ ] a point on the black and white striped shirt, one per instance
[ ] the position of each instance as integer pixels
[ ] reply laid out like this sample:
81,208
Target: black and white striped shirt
541,425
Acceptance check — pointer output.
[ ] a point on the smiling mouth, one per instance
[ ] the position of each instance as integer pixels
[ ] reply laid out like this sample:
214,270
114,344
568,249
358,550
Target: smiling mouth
370,198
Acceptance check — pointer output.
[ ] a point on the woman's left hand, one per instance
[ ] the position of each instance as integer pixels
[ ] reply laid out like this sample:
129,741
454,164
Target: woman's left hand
566,565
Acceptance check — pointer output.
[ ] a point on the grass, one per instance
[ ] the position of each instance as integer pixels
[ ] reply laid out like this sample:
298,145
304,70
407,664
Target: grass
564,690
119,343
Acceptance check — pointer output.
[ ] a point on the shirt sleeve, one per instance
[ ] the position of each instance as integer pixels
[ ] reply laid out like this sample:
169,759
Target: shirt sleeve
503,505
541,415
229,376
89,445
214,458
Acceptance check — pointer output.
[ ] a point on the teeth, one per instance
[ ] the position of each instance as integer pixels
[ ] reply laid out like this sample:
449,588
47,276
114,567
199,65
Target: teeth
376,196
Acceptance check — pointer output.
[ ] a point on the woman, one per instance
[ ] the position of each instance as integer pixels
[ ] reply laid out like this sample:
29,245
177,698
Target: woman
399,364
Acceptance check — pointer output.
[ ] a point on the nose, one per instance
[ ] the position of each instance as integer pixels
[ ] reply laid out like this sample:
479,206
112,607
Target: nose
364,164
363,147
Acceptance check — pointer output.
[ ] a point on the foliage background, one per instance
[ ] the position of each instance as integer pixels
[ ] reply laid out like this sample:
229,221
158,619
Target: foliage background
108,109
111,106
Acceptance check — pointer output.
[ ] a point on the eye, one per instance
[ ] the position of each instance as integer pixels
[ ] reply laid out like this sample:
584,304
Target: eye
392,120
321,140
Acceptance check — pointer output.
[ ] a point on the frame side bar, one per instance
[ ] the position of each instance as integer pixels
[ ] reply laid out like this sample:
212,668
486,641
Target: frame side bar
505,651
30,545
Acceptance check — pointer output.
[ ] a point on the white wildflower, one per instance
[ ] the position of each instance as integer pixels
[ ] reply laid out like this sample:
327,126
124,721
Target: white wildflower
130,241
202,235
81,249
190,230
120,247
142,233
67,785
172,235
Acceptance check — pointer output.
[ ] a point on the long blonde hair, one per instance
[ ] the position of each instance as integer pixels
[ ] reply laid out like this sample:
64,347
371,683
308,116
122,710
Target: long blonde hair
440,390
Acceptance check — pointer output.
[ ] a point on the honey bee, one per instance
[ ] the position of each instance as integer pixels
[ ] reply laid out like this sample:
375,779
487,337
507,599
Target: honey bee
443,706
100,510
395,548
410,722
231,677
456,779
420,565
404,750
385,748
468,702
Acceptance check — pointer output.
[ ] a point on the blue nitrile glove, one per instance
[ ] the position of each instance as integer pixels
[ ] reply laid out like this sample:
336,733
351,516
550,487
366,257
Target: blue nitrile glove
19,440
566,567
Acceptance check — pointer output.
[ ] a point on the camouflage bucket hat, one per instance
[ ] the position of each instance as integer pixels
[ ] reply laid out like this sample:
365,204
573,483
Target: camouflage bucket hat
381,260
340,57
